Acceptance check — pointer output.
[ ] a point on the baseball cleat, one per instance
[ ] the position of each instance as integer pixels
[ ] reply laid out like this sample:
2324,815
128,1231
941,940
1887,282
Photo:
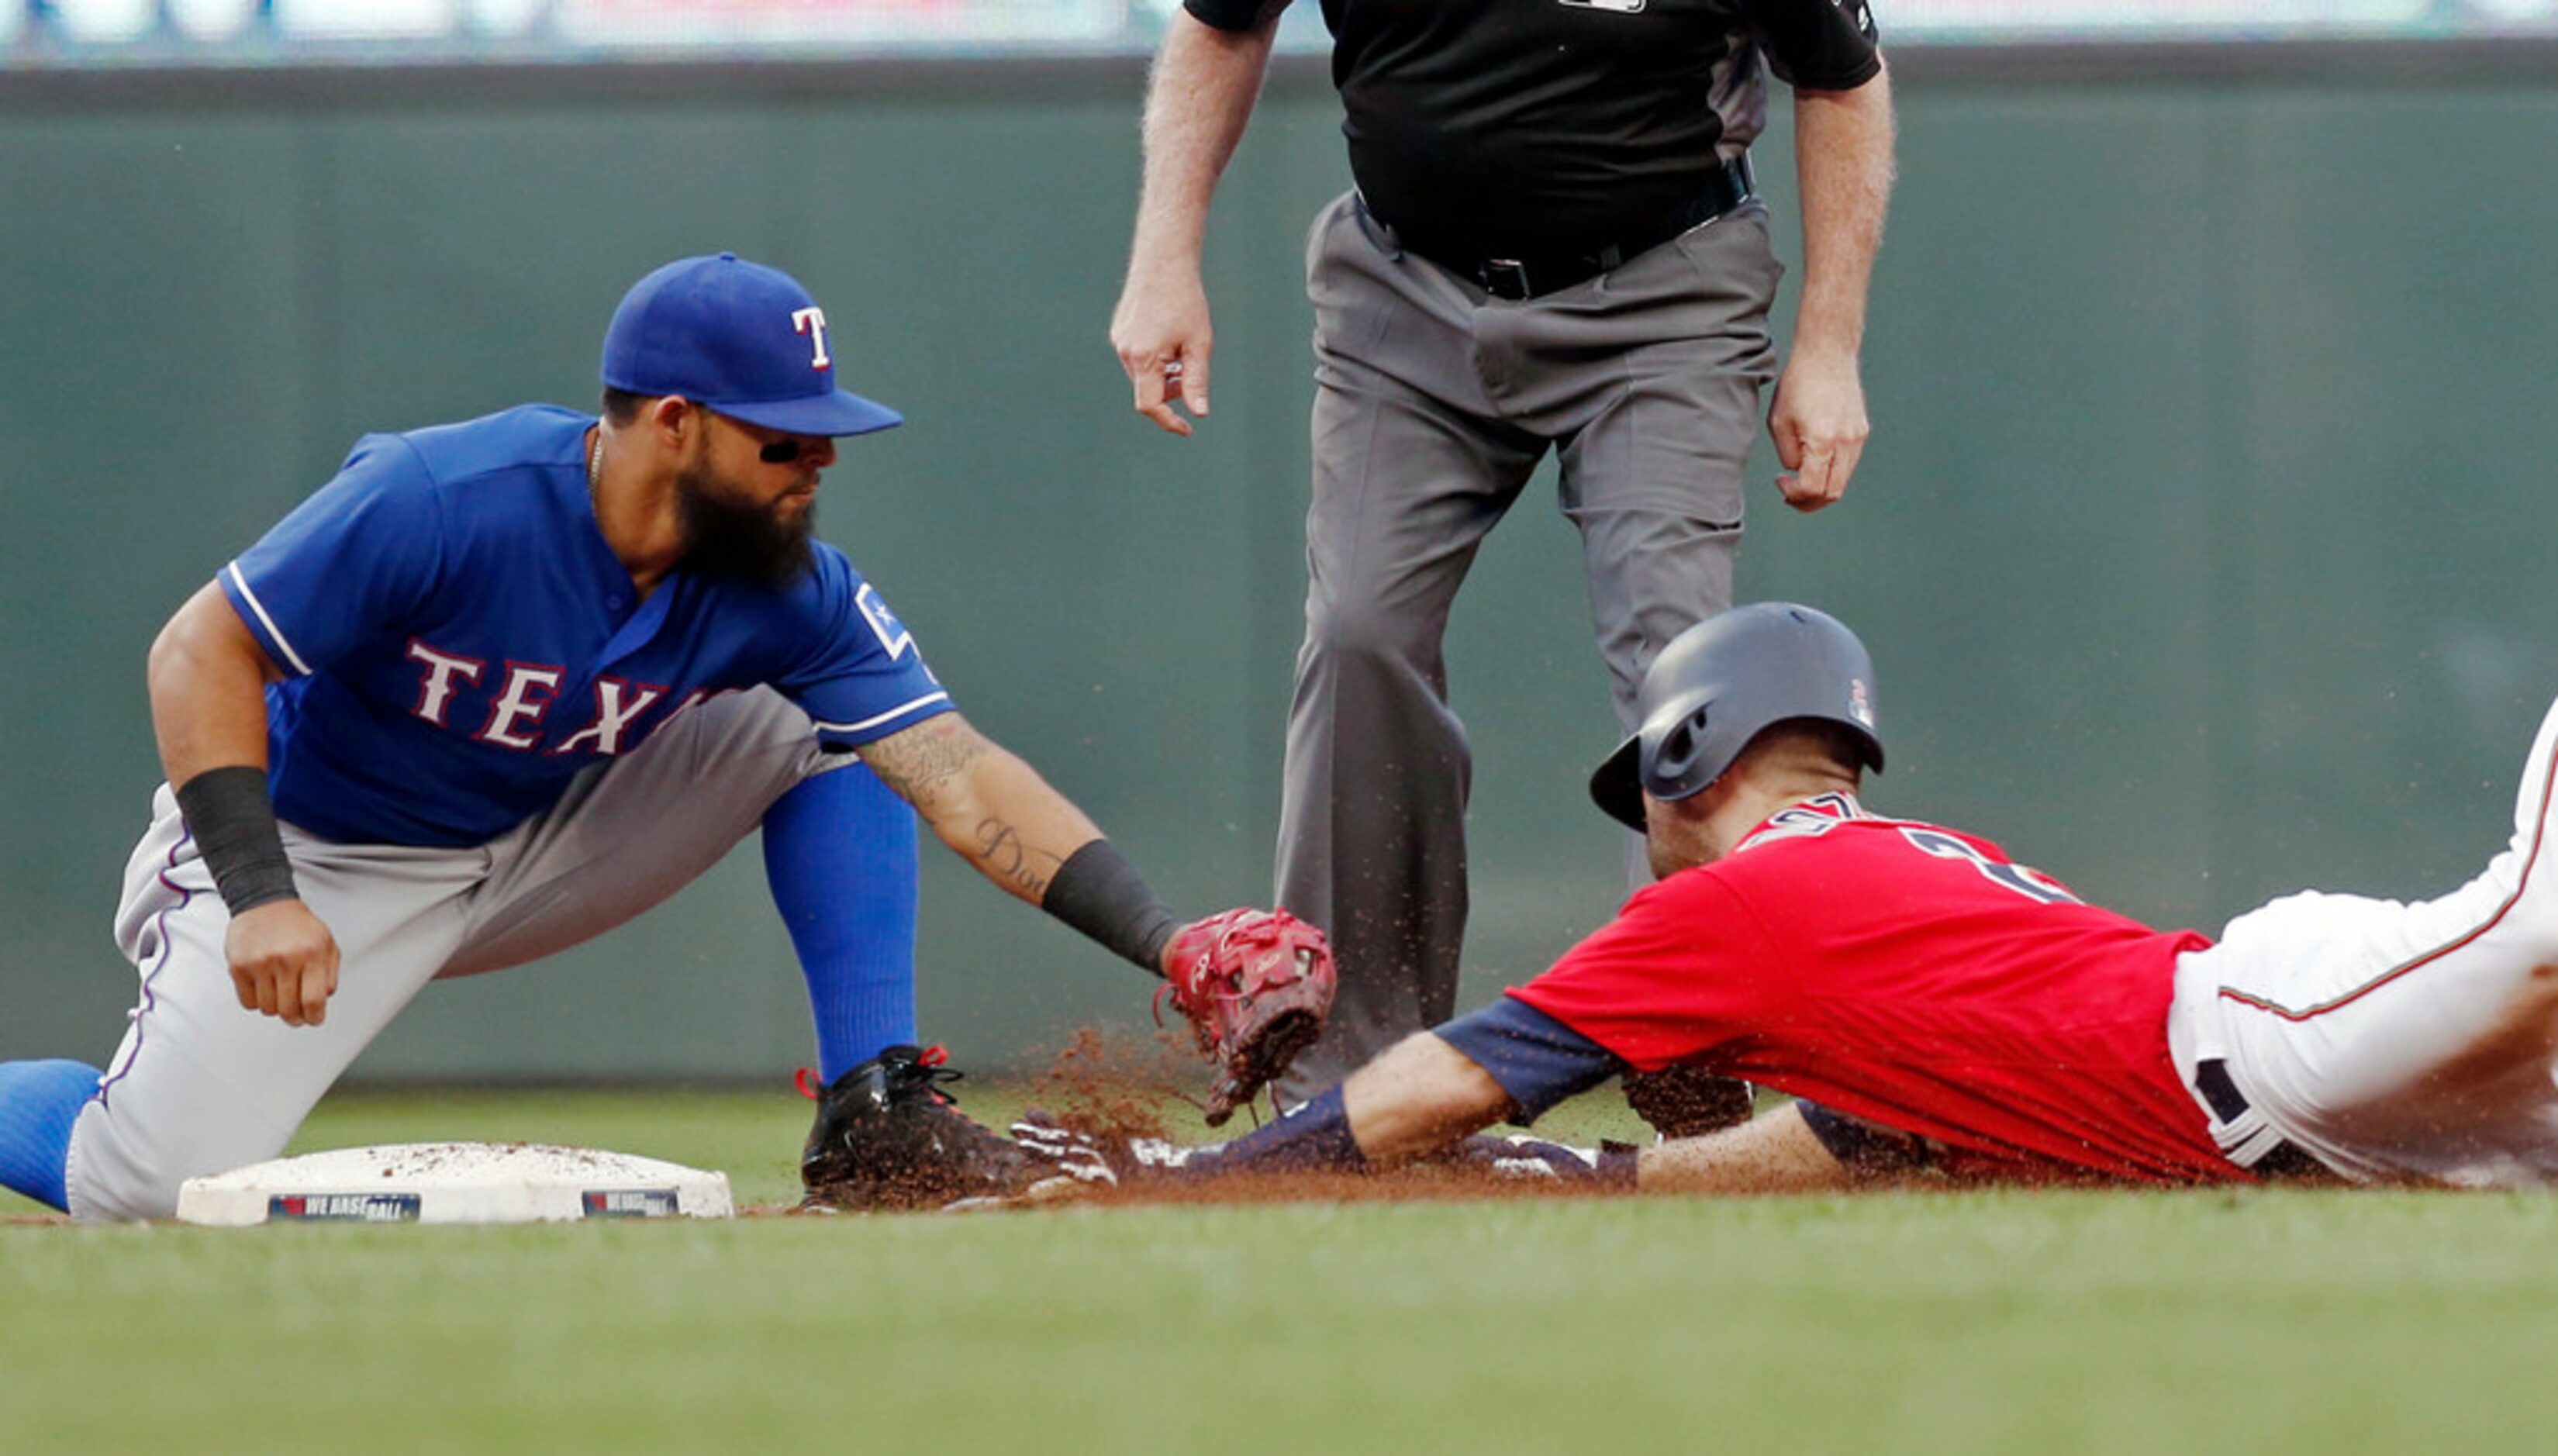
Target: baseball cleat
887,1136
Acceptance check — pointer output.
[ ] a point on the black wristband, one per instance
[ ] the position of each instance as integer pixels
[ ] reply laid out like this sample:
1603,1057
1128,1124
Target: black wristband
1098,892
233,819
1314,1139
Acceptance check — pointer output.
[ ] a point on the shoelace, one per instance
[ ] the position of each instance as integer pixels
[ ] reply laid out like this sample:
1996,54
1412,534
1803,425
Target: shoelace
929,1067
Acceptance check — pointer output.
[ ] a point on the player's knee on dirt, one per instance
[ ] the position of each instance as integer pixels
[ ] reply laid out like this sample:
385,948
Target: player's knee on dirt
1684,1100
120,1171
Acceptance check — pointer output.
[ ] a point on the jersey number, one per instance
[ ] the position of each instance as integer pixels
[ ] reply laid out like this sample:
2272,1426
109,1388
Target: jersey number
2031,884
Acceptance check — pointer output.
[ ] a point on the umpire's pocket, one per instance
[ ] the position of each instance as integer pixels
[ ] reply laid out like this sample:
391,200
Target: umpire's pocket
1735,260
1319,233
1331,267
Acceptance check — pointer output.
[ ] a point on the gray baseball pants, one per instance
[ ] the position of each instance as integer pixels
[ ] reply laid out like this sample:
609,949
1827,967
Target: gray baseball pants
1434,402
201,1086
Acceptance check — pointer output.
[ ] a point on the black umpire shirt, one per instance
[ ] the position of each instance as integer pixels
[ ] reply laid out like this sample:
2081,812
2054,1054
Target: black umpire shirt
1498,128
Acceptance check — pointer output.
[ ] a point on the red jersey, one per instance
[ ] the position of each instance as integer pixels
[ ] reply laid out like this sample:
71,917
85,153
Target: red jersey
1910,975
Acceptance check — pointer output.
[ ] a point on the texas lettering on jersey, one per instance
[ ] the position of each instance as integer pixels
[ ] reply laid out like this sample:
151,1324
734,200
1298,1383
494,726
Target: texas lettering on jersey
459,640
518,709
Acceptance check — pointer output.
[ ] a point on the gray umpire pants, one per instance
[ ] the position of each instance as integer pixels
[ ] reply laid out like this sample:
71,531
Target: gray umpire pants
1434,403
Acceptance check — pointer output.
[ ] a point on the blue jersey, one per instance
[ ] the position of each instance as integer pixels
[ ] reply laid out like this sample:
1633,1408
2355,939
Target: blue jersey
461,641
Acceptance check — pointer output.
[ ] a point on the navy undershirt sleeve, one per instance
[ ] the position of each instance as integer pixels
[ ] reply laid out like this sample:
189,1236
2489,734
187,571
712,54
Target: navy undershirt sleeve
1859,1146
1536,1059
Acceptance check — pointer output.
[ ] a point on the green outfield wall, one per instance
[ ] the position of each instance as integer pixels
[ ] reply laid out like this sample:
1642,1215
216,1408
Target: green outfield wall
2205,539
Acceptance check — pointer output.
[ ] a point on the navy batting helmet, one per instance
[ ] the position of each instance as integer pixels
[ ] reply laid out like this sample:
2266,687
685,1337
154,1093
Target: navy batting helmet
1721,682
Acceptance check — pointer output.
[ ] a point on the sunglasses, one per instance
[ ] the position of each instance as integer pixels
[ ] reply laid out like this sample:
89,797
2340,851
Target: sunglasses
774,452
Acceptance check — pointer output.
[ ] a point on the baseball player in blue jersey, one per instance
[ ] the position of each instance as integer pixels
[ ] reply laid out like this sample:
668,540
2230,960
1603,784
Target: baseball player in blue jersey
502,685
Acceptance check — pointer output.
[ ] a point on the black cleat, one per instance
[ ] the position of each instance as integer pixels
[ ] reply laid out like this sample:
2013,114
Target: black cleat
887,1136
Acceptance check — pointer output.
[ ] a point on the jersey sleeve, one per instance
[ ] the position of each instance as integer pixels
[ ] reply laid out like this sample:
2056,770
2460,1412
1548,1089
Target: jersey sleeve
1537,1060
1684,970
1822,45
864,678
355,561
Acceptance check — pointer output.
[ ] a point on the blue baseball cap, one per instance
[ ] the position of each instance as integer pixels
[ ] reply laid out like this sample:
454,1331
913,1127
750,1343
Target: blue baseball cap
740,338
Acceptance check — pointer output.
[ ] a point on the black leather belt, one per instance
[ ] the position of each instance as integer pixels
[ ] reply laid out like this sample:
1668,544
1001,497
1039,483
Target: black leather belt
1521,278
2283,1159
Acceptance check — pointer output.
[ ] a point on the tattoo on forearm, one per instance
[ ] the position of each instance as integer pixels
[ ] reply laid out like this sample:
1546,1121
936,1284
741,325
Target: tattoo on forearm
920,760
1006,855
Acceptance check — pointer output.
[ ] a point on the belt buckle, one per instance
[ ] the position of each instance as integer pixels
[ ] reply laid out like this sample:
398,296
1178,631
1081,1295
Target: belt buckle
1503,278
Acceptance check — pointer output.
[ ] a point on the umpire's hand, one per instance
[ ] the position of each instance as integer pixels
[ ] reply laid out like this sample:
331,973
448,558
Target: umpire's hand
1161,333
1819,426
284,961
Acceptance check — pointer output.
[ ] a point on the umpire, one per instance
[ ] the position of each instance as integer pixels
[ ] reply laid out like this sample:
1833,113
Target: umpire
1553,244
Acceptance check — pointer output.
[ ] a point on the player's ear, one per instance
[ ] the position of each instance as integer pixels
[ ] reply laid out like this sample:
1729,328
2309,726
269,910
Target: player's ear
674,419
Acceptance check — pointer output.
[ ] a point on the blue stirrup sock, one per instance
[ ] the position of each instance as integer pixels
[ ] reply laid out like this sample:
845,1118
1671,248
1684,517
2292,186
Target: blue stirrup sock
839,852
39,1103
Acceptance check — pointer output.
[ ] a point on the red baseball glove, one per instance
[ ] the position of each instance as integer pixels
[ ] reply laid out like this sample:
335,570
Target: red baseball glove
1255,985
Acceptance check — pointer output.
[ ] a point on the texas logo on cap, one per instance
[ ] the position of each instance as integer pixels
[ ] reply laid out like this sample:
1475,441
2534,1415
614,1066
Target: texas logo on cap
737,338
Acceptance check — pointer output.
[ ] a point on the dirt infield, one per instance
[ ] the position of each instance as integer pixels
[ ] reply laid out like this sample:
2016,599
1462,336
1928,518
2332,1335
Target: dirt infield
1115,1087
1406,1185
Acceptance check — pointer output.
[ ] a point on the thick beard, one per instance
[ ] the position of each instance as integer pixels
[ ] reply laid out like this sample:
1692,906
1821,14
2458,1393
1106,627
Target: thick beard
740,541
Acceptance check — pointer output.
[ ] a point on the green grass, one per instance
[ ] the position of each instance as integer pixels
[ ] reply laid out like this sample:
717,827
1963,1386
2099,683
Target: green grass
2329,1322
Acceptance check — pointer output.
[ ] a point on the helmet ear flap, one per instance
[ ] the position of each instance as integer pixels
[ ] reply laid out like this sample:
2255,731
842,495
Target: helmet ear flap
1674,762
1714,687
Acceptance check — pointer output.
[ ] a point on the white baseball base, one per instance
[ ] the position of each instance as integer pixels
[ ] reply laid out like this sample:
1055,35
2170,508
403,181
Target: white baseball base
455,1183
